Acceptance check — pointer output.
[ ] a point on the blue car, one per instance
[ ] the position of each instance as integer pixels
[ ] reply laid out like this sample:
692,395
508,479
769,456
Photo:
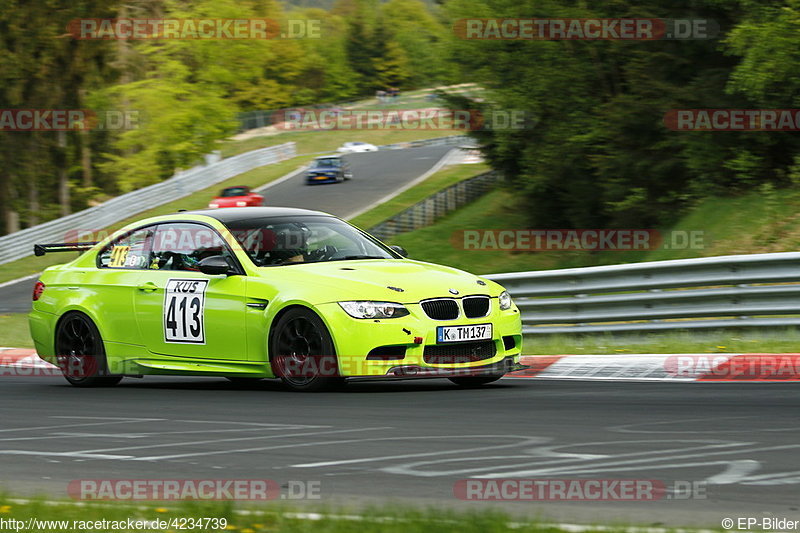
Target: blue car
328,169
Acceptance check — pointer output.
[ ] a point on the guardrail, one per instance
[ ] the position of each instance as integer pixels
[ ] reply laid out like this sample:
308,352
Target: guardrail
430,209
759,290
450,140
20,244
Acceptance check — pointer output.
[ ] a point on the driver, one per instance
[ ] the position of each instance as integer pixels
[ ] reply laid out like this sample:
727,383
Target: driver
291,244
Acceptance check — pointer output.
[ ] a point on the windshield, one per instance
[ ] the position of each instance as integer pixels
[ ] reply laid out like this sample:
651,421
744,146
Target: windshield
274,241
234,191
327,163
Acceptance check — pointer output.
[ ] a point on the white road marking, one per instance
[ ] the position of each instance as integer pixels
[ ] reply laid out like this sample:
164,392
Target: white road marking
64,454
631,428
528,440
264,448
433,170
776,478
102,435
218,441
652,462
258,424
283,178
19,280
539,453
112,418
736,472
70,426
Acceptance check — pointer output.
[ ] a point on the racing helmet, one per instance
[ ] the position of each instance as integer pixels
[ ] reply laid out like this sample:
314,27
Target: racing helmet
291,240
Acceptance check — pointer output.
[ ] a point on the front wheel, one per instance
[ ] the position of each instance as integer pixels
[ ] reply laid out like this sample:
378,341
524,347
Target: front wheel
80,352
302,352
475,381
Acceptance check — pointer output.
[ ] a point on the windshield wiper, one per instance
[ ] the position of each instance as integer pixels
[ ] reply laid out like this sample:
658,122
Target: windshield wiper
351,257
346,258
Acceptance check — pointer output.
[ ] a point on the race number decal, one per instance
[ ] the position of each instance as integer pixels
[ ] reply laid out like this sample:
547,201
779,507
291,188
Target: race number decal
119,254
184,303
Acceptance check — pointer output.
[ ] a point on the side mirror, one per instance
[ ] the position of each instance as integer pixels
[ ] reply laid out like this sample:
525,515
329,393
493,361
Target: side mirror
399,249
214,266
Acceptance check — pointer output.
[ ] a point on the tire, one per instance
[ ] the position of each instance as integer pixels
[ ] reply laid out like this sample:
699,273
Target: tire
302,354
80,352
474,381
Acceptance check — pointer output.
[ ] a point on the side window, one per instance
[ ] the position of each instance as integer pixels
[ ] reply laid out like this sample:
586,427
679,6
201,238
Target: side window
181,246
130,251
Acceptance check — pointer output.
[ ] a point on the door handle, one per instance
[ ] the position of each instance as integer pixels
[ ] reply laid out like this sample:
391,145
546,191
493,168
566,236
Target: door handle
148,287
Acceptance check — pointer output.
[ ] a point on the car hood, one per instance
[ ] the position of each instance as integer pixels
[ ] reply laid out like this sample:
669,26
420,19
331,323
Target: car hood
370,279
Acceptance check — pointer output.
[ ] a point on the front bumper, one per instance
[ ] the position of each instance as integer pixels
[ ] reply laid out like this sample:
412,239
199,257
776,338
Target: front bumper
509,364
313,180
357,341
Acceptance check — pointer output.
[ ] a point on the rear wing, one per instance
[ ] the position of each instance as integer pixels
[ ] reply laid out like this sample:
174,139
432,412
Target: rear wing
41,249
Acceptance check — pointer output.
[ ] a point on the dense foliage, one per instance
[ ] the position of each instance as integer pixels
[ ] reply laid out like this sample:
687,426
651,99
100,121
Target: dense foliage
183,96
598,153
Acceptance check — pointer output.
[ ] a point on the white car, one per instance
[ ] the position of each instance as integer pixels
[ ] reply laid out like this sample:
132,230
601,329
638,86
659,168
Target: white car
356,147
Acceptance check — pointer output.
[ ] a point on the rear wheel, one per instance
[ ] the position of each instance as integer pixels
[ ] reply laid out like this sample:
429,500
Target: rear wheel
475,381
80,352
302,352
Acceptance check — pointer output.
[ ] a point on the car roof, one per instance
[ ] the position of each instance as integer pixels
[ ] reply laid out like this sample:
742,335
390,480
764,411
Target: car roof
328,157
228,215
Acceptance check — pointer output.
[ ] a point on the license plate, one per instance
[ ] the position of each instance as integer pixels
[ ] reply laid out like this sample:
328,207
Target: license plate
477,332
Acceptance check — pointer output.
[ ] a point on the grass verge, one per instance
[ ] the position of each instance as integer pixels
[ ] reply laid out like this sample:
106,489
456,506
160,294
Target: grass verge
495,210
718,341
71,516
14,331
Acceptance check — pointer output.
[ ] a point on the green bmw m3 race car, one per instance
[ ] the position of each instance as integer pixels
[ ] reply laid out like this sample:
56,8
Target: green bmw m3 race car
265,292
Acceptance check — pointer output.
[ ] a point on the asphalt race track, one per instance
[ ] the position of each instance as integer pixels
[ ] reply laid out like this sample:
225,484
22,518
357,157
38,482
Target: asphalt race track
375,175
411,441
736,443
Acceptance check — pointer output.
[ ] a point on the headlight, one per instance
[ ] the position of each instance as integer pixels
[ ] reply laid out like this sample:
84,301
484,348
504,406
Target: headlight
505,301
213,205
374,309
241,204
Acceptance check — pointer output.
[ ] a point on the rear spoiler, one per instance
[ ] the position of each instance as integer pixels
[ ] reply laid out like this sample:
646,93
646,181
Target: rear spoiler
41,249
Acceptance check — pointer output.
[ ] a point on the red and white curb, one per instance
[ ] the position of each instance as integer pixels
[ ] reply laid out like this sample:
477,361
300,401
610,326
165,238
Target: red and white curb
21,358
663,367
717,367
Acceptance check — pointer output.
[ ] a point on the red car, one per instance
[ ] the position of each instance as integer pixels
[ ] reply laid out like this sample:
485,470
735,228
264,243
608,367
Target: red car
237,197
